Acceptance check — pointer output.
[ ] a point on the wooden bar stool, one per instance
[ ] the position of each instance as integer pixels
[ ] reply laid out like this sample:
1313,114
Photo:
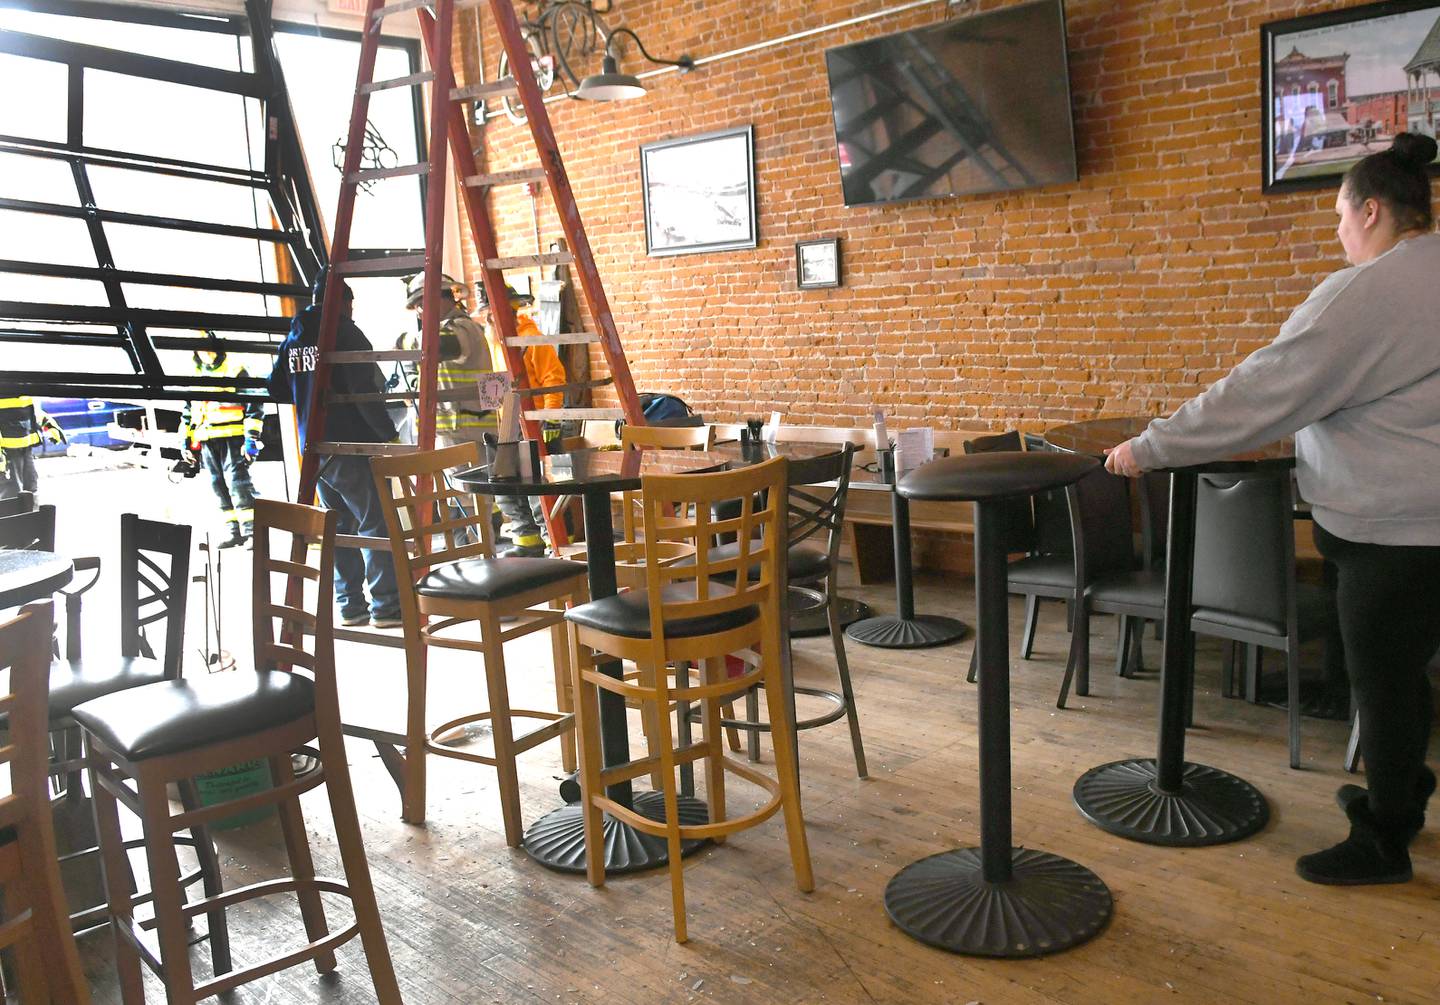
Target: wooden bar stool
458,583
697,620
34,921
143,738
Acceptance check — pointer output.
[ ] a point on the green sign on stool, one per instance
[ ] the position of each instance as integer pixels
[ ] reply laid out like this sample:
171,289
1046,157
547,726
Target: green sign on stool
243,779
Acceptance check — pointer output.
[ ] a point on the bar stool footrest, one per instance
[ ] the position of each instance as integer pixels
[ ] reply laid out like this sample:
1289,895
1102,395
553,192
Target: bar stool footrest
920,632
1213,806
1048,905
807,613
557,840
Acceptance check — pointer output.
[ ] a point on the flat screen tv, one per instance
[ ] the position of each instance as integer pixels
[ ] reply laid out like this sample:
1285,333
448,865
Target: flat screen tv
976,104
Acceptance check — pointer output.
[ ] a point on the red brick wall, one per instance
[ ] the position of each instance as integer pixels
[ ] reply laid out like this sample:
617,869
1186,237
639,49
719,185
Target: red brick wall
1129,290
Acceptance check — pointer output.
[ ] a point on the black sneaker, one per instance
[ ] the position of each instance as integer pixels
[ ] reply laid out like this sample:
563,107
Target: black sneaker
1368,857
523,551
235,540
1348,795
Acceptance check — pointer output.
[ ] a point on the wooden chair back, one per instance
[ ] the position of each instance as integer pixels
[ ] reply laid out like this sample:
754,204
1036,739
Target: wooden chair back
667,437
150,593
30,530
36,920
414,491
303,607
715,585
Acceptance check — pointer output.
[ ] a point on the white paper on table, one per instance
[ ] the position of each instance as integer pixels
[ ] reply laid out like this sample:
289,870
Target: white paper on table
509,425
913,447
772,428
882,438
492,390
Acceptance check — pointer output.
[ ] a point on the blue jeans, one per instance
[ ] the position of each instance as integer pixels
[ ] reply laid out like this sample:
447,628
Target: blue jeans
345,485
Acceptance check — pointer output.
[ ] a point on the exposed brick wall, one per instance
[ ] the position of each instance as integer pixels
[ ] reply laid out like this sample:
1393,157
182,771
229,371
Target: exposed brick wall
1126,291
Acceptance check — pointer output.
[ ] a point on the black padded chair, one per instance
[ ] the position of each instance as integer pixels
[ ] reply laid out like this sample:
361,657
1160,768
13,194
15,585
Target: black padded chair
33,529
22,502
1245,588
817,489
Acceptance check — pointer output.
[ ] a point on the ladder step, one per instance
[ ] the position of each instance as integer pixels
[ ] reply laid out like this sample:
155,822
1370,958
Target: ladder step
517,177
423,77
375,356
356,541
441,394
562,388
503,88
400,7
375,174
530,261
540,414
359,266
364,449
564,338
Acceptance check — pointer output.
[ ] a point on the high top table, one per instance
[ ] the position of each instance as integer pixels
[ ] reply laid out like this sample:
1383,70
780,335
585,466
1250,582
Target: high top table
1167,800
557,840
996,900
31,575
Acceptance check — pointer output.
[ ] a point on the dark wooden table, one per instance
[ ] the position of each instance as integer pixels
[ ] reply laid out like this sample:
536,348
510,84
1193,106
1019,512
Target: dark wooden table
557,839
1167,800
31,575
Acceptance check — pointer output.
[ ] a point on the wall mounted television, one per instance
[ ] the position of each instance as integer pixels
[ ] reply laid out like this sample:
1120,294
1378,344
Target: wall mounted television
974,104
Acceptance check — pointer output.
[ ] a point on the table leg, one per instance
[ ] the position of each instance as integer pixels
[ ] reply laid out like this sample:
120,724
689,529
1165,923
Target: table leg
1165,800
557,840
906,629
996,900
807,612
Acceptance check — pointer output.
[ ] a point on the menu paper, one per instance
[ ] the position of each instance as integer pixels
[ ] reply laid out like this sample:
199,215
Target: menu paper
493,388
913,447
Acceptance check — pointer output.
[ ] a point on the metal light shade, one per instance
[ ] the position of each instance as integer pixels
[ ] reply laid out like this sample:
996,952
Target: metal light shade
610,84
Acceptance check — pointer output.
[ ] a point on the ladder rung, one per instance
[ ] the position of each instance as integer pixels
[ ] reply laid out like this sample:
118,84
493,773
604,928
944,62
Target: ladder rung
375,174
374,356
424,77
356,266
564,338
516,177
356,541
541,414
441,394
530,261
581,385
364,449
503,88
400,7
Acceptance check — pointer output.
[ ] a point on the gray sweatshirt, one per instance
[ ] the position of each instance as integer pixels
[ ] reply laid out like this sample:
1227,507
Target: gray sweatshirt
1355,375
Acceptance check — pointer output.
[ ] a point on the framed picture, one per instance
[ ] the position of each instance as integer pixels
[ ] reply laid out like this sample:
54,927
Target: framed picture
700,192
817,263
1338,86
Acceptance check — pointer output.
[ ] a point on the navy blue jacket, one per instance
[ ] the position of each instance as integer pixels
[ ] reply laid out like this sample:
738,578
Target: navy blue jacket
290,381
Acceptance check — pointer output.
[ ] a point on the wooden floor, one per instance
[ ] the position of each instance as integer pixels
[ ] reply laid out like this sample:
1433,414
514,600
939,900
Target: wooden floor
471,921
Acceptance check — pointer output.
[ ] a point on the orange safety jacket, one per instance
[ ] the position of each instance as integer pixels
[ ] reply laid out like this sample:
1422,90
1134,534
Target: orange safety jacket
542,364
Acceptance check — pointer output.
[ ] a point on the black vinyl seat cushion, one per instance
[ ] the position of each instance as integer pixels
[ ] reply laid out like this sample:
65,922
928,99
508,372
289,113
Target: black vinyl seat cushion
1312,607
1135,588
628,614
174,716
1055,572
75,681
802,562
494,579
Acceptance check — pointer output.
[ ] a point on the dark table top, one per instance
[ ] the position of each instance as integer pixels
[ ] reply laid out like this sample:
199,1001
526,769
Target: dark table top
26,576
589,470
1093,436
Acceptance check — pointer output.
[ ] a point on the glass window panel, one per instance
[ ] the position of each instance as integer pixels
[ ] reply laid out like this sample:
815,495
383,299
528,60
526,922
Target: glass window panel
52,290
182,253
174,298
179,121
40,179
71,358
182,198
215,49
34,237
41,116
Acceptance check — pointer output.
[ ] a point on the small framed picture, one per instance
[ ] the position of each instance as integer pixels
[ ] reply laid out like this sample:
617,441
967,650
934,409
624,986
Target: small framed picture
817,263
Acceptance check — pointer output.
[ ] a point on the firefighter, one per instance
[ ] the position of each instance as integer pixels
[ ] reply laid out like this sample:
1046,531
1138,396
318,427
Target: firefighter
22,424
227,434
464,357
542,369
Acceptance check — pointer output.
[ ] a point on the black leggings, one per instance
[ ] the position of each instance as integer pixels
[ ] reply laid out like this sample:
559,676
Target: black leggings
1389,602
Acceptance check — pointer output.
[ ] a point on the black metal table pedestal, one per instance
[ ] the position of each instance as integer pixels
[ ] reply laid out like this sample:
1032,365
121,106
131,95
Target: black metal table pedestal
996,900
1166,800
807,613
557,840
905,629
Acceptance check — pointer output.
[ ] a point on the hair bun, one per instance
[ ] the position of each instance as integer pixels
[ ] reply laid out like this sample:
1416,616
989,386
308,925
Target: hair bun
1414,149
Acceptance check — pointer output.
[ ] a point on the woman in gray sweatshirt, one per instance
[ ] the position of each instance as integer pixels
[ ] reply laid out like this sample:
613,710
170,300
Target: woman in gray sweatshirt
1355,375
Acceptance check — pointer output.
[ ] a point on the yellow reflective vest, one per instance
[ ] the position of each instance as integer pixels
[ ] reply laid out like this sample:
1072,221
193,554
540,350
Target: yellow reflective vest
18,425
214,420
453,420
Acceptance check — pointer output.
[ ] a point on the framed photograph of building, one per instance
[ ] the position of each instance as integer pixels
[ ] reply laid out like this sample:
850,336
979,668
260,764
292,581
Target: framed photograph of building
1338,86
817,263
699,192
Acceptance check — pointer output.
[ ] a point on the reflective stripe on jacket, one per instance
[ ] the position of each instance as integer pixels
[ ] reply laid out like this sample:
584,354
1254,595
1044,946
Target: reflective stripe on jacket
18,426
214,420
459,373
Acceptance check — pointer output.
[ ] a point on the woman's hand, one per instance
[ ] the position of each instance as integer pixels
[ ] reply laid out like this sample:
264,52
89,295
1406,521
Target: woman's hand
1121,461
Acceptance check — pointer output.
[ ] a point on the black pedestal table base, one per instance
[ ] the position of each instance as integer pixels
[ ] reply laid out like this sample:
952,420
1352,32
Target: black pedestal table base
1212,806
557,840
807,615
919,632
1047,905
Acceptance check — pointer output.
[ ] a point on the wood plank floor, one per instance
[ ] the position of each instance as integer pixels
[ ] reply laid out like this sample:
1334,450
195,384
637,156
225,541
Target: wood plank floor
472,921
